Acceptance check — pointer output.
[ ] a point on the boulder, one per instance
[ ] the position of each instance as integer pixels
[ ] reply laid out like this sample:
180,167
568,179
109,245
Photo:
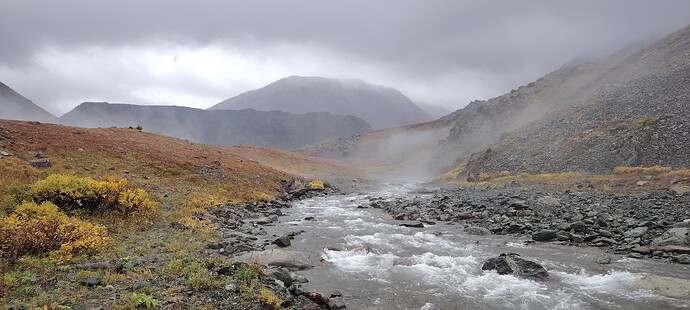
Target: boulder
674,236
40,163
635,233
414,224
514,264
684,259
463,216
283,241
318,298
545,235
282,275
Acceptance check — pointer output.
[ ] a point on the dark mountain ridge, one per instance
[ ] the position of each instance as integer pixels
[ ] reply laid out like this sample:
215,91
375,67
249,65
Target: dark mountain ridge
271,129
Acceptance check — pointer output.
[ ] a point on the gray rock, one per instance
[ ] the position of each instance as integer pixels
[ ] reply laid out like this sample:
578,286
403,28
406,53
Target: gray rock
283,241
40,163
91,282
463,216
264,221
513,264
635,255
282,275
577,238
636,232
673,236
603,259
683,259
545,235
476,230
414,224
297,290
549,201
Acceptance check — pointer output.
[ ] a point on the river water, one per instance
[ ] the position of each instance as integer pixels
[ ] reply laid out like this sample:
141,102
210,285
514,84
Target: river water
380,265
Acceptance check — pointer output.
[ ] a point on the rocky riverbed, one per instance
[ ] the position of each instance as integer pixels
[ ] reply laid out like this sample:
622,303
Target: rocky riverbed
653,226
244,240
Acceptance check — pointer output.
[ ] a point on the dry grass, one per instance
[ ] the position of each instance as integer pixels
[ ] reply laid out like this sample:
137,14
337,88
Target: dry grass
643,121
653,170
623,180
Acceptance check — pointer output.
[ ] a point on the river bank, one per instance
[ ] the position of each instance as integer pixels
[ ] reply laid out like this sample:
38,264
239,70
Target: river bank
652,226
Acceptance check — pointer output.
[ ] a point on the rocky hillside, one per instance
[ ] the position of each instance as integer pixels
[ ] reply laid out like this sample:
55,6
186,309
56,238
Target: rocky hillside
636,114
380,106
271,129
17,107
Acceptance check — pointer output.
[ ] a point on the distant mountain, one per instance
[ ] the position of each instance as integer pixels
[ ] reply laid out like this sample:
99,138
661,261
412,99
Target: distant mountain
17,107
380,106
271,129
634,111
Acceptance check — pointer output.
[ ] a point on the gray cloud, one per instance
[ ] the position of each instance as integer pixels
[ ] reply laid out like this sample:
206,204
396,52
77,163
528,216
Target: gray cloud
438,52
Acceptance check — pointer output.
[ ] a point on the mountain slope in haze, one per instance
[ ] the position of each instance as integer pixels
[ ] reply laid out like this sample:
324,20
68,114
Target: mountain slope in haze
271,129
639,115
16,107
401,152
382,107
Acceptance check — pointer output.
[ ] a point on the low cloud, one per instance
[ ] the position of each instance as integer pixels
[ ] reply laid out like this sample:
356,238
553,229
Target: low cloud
441,53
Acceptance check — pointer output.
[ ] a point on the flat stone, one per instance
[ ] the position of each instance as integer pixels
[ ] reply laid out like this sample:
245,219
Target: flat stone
673,249
413,224
641,250
665,286
292,260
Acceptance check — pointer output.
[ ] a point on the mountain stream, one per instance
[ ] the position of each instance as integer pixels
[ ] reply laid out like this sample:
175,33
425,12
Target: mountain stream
377,264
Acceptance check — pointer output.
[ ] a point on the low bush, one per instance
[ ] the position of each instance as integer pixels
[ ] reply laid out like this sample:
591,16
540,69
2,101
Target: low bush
316,185
39,229
73,195
641,170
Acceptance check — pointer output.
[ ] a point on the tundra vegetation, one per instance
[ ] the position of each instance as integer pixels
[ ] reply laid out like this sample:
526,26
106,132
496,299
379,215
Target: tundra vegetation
115,219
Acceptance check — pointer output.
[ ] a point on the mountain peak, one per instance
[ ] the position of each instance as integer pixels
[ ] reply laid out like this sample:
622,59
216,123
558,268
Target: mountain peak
17,107
380,106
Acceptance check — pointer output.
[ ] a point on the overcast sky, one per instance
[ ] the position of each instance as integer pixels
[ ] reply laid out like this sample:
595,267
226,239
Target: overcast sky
198,53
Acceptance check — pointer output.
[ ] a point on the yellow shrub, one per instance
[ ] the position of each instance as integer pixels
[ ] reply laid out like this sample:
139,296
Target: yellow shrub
71,193
39,229
269,299
316,185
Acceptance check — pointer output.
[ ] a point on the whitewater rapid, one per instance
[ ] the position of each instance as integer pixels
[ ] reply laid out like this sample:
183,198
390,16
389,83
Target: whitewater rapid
377,264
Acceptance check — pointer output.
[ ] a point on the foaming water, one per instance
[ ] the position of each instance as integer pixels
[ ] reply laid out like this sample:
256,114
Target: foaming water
380,265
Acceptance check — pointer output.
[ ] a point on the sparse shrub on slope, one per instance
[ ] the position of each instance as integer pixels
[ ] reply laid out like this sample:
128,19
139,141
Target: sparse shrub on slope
73,194
39,229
